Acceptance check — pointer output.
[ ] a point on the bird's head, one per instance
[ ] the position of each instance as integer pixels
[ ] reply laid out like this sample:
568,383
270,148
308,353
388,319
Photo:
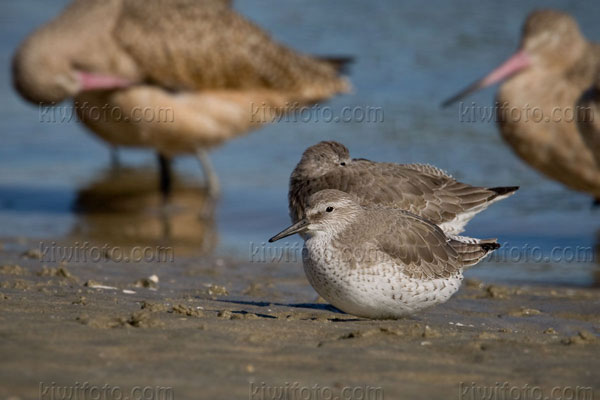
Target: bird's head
46,71
328,211
550,40
321,159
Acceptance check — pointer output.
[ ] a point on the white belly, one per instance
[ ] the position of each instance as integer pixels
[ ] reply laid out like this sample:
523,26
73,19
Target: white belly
379,291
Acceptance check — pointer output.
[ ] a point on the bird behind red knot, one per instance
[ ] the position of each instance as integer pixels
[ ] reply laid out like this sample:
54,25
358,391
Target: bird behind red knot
199,64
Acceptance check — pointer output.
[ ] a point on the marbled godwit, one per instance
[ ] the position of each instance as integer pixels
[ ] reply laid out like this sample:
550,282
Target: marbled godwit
380,262
554,65
420,189
199,59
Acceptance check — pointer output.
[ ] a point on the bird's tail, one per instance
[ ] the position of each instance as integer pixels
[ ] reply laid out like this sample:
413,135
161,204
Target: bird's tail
473,250
340,63
503,192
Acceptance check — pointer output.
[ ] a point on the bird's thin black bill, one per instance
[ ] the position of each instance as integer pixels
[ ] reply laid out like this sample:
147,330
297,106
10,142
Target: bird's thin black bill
298,227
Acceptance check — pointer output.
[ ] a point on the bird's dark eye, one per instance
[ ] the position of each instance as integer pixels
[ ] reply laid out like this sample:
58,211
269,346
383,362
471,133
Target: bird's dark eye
343,164
329,209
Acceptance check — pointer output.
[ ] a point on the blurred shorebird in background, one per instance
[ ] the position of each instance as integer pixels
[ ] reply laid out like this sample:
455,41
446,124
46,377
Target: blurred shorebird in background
199,63
421,189
536,106
380,262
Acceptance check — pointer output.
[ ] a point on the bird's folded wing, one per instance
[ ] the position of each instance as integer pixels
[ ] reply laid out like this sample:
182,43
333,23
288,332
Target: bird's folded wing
421,247
197,45
434,196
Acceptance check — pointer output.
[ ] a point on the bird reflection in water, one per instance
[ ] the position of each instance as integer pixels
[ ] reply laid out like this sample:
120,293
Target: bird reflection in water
121,207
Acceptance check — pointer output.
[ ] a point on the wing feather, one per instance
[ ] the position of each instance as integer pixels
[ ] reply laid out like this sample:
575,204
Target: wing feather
418,245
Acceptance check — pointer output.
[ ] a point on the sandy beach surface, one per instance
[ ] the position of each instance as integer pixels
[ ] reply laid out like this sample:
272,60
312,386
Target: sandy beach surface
213,328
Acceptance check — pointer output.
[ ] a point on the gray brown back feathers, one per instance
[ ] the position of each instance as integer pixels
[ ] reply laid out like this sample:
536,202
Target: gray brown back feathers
423,190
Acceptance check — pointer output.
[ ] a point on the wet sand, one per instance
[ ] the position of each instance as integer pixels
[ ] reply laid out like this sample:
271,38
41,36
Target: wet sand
224,329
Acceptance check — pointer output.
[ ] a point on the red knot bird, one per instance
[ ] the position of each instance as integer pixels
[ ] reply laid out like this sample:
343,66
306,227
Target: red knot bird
380,262
198,67
543,81
421,189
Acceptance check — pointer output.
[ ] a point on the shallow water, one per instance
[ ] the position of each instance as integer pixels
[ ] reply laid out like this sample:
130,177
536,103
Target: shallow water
408,58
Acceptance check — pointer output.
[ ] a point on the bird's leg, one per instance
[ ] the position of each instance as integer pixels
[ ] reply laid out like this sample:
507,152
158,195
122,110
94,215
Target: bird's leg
212,184
166,188
115,162
166,178
212,180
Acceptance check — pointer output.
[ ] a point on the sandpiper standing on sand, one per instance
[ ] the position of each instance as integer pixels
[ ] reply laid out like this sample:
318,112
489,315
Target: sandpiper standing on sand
545,78
423,190
380,262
